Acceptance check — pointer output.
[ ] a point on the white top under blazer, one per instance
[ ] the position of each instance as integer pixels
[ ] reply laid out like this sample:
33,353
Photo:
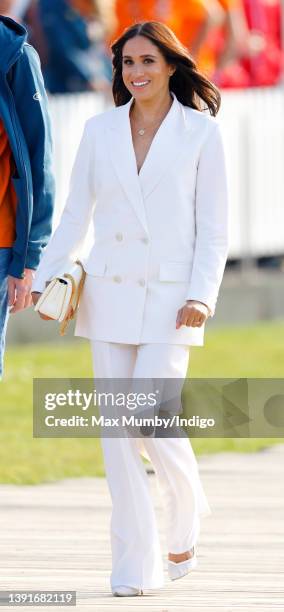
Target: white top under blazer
160,236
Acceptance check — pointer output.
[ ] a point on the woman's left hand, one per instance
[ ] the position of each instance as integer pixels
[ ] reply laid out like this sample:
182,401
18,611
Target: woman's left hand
192,314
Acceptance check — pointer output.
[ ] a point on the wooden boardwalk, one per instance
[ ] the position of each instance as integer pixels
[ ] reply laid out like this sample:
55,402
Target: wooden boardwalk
56,536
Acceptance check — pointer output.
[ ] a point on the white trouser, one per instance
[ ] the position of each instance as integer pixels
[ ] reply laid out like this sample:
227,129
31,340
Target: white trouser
136,554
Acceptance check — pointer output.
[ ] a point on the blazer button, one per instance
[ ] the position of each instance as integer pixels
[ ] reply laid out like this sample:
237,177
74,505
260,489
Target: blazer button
145,240
119,236
117,279
142,282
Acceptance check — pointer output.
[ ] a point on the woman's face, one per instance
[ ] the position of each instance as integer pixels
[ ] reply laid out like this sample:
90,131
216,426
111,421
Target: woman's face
145,71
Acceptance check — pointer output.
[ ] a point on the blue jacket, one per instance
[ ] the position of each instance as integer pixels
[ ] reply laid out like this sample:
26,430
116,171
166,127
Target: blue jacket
23,110
74,61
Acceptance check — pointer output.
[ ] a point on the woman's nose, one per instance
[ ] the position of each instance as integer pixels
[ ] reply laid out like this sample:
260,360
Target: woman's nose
138,71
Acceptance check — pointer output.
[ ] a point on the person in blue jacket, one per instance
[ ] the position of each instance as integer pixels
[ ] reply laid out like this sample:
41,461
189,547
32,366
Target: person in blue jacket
26,179
76,56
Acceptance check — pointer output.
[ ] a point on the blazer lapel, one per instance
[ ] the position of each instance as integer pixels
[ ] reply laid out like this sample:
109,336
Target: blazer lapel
123,159
167,144
165,147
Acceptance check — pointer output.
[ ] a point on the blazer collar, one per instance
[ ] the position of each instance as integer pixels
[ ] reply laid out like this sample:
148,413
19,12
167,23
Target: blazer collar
165,147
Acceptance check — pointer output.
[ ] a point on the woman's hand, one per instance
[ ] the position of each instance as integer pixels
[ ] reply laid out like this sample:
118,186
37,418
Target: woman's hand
192,314
35,297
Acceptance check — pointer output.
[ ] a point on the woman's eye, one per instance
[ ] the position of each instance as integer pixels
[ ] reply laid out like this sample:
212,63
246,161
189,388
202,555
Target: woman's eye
127,62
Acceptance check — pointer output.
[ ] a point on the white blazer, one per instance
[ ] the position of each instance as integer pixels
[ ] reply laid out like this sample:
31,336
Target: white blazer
160,237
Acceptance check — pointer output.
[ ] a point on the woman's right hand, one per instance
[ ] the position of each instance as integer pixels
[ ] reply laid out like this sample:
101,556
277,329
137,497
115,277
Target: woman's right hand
35,297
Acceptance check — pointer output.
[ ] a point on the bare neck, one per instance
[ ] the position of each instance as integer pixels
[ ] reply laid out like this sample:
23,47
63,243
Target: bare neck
146,112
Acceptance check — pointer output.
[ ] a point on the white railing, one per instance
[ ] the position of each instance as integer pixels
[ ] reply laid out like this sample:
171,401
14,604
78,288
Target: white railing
254,134
253,124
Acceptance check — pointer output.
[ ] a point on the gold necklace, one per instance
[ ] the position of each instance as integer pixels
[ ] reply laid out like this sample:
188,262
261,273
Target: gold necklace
142,131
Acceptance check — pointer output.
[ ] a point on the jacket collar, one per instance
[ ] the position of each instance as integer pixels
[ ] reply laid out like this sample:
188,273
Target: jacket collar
165,147
12,38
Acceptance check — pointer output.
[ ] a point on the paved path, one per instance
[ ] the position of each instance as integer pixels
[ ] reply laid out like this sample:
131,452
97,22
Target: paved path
56,536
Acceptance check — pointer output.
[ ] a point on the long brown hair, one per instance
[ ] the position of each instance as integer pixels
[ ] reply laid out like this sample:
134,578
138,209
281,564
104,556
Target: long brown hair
190,86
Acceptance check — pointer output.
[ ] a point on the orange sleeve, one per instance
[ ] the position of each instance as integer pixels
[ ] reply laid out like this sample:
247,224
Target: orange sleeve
129,12
187,18
229,4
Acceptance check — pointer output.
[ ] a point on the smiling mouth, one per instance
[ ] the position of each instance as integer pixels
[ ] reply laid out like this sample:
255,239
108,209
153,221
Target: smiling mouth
139,83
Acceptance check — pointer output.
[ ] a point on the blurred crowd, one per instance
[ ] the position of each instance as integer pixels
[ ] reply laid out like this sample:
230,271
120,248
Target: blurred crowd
236,43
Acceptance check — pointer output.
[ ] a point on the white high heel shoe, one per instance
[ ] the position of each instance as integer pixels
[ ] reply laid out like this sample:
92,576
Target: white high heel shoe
126,591
178,570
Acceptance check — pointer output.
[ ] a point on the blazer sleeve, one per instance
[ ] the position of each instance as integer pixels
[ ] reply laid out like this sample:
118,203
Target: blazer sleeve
212,222
69,236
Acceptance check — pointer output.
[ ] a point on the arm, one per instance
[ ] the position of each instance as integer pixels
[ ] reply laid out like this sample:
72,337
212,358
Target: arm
237,36
69,236
31,106
211,201
213,16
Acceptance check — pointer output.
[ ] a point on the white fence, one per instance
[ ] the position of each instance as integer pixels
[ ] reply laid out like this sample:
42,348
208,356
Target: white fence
254,138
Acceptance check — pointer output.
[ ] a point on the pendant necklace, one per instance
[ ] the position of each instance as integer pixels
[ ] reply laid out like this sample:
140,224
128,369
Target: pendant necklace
142,131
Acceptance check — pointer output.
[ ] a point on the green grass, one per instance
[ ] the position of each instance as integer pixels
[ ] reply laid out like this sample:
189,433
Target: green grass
254,351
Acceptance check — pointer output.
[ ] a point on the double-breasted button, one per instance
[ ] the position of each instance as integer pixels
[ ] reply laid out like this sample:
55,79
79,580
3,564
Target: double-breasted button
145,240
142,282
119,236
117,279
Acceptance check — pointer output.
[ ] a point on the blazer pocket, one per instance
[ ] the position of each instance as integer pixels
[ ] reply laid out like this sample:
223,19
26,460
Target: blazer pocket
174,271
95,267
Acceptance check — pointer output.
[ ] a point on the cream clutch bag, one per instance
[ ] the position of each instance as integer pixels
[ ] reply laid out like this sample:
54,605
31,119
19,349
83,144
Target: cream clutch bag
60,299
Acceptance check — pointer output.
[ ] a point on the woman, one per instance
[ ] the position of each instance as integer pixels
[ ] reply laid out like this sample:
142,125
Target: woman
150,174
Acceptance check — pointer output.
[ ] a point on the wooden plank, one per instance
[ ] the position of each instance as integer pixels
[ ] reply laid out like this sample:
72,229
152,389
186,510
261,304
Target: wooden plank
56,536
